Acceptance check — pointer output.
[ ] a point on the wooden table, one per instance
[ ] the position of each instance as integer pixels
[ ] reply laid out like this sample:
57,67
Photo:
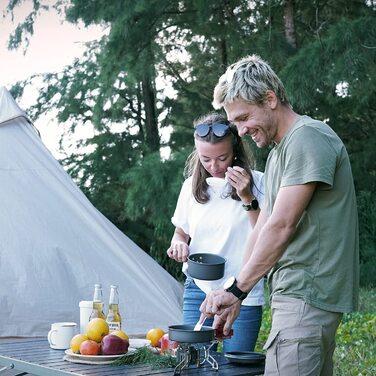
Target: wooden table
34,356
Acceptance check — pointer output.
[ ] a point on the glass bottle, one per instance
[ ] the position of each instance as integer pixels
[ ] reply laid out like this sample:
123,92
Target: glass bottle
97,303
113,316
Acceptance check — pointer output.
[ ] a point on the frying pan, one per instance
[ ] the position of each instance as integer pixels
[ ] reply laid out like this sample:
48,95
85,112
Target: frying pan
186,334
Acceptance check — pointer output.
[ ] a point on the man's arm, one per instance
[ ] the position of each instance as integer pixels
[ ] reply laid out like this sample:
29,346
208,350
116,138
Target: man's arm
265,246
276,233
261,220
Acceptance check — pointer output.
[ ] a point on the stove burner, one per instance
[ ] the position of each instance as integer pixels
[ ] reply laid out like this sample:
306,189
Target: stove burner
194,353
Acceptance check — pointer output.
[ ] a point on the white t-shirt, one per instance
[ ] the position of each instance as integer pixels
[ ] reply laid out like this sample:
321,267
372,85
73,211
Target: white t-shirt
220,226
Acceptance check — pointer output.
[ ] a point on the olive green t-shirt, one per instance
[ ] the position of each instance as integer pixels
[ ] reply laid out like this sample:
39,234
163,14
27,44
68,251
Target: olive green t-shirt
321,262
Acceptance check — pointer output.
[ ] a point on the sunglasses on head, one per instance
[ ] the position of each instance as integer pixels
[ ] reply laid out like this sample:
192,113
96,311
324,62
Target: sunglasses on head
219,129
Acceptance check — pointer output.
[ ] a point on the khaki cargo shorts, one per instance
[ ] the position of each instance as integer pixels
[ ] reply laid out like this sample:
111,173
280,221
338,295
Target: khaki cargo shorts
302,339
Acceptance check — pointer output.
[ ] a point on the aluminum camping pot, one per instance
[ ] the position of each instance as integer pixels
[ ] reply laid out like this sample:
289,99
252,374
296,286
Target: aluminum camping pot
186,334
206,266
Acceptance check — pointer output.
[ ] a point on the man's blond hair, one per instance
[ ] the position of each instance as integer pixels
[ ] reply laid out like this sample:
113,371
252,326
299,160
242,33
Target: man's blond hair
248,79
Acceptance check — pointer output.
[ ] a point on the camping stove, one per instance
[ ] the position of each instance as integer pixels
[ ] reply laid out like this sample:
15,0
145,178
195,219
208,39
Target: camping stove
194,353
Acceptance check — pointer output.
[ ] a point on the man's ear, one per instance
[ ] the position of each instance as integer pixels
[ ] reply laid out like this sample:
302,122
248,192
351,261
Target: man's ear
271,99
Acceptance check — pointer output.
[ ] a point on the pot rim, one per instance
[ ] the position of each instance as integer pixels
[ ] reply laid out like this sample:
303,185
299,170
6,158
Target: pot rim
221,259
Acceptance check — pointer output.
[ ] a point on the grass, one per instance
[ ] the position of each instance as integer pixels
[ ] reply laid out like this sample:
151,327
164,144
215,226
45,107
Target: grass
355,354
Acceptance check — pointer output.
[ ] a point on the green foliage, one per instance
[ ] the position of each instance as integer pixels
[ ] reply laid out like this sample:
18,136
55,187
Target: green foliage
345,56
153,187
356,338
367,225
25,29
356,345
145,355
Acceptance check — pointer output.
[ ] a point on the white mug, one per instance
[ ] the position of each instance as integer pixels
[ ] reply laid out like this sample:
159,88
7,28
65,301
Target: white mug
60,335
86,307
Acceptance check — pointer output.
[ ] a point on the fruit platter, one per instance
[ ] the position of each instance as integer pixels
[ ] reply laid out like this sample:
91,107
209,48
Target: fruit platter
99,346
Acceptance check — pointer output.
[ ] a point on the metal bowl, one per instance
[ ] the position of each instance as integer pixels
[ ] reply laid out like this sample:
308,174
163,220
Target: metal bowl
206,266
186,334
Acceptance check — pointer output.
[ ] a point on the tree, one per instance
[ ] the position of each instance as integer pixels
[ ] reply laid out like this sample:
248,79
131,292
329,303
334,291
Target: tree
289,23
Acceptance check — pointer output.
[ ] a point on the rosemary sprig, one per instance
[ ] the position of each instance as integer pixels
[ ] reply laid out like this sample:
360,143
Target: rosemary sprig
145,355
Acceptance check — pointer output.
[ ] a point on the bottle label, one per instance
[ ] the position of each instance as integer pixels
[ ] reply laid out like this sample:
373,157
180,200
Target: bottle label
114,326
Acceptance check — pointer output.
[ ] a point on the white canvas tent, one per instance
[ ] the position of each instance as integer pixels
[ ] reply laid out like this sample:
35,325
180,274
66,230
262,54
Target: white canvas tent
54,245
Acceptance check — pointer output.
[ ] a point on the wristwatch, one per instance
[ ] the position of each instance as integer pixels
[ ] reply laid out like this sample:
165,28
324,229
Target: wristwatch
253,205
230,286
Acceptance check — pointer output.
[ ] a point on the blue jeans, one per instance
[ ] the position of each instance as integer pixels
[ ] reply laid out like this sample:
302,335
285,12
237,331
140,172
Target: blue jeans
246,327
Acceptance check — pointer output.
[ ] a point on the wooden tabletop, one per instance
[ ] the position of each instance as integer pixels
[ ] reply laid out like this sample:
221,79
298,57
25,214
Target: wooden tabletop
36,357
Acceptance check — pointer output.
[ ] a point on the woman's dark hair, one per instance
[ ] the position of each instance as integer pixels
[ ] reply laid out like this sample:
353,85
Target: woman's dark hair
194,167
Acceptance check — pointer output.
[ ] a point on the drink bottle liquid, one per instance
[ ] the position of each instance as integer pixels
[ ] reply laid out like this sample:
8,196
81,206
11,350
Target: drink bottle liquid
113,317
97,303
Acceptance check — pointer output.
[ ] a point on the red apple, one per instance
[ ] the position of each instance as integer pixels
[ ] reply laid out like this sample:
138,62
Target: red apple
114,345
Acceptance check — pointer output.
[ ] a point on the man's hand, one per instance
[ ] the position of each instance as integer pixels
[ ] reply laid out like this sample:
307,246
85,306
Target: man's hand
216,301
223,322
225,308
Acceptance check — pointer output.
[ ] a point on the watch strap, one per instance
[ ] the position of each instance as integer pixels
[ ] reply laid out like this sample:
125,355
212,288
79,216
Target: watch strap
235,290
253,205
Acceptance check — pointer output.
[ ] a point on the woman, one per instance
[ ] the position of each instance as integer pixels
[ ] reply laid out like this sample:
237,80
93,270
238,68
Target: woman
218,220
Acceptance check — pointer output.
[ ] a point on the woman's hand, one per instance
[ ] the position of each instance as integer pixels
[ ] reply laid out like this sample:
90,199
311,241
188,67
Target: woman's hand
178,251
239,178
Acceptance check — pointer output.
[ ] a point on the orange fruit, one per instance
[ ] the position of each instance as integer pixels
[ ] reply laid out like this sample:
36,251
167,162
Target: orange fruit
154,335
96,329
76,341
120,334
89,347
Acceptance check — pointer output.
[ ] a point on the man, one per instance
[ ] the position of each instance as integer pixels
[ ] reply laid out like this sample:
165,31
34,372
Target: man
306,236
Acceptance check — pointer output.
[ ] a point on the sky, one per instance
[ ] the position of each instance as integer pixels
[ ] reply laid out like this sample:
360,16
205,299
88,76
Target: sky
53,46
